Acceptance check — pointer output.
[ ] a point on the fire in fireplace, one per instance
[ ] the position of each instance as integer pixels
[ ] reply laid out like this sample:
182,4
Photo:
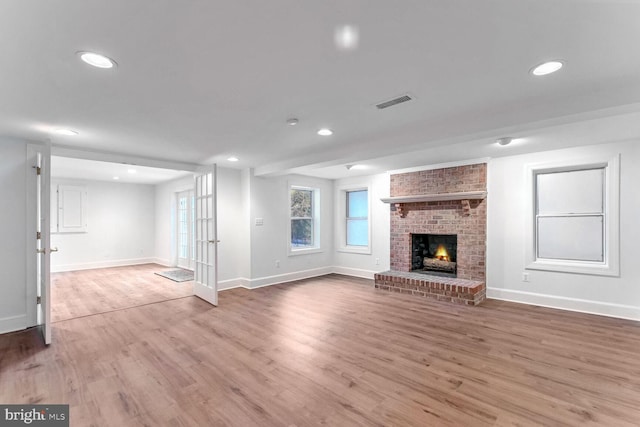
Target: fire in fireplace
434,254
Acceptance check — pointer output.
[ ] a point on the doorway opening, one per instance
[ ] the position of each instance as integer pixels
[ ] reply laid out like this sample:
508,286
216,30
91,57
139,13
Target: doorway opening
117,227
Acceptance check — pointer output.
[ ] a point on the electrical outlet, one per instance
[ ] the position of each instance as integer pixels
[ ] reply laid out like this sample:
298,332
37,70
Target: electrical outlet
277,263
525,277
377,261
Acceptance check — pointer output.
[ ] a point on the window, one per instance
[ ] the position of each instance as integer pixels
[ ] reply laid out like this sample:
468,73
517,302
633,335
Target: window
357,221
570,215
575,225
353,228
304,224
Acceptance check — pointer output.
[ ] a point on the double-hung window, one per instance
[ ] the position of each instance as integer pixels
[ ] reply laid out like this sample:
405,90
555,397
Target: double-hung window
357,220
304,219
575,224
571,215
353,222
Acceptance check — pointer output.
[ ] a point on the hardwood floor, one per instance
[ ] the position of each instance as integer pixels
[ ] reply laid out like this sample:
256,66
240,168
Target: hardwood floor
330,351
82,293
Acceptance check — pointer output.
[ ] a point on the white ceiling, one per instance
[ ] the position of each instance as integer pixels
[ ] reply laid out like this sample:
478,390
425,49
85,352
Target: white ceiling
65,167
199,81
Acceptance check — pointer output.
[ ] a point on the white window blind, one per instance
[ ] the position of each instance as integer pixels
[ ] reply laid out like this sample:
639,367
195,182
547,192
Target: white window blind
571,215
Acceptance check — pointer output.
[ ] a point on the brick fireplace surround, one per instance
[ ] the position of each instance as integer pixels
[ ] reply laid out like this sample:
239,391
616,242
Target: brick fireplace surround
465,218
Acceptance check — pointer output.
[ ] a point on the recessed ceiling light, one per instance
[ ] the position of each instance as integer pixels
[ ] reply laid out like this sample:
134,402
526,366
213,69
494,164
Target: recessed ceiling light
325,132
356,167
504,141
292,121
66,132
97,60
116,178
346,37
547,68
131,171
233,159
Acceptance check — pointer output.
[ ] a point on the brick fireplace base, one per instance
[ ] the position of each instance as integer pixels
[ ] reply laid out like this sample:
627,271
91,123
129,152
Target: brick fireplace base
459,291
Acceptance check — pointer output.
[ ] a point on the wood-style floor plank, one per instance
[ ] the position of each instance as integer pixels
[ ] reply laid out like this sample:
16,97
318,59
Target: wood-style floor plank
324,351
86,292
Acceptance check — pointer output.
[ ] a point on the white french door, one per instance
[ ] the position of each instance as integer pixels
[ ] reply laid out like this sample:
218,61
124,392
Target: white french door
186,229
205,284
38,239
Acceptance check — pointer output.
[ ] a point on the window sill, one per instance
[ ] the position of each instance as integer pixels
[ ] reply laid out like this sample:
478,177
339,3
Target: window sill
304,251
363,250
576,267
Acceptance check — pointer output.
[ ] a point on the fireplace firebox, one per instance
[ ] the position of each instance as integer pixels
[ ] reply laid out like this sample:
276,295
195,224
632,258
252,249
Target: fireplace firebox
434,254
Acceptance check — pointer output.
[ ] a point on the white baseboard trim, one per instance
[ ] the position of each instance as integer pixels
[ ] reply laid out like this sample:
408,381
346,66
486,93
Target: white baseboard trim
163,262
571,304
355,272
101,264
13,323
239,282
259,282
288,277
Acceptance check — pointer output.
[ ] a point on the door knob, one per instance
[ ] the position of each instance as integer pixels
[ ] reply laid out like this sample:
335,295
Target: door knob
44,251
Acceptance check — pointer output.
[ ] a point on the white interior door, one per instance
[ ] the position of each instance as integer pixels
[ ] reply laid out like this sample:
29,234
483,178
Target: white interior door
205,284
186,229
40,253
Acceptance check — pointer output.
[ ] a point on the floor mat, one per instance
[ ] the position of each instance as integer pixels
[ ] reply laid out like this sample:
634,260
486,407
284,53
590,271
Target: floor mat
179,275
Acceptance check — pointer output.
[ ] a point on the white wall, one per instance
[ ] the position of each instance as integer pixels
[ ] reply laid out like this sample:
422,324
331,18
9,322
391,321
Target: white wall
247,253
233,249
507,222
233,229
270,201
121,219
244,234
13,212
366,265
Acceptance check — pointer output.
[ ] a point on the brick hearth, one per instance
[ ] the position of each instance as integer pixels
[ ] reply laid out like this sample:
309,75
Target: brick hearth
459,291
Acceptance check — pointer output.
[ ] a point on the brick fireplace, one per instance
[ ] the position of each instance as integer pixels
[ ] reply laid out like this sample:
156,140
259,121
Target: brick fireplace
439,202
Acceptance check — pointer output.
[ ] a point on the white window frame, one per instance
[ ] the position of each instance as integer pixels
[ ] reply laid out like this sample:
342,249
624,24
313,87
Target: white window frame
316,247
341,219
610,266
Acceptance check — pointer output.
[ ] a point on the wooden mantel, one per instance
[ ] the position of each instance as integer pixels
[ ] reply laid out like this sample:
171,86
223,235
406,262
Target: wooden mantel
438,197
465,196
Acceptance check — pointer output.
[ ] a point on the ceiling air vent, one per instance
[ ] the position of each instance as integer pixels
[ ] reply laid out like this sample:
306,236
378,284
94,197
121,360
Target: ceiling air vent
394,101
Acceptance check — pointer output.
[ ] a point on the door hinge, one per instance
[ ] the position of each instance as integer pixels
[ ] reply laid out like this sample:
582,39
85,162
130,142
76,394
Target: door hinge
38,235
38,300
